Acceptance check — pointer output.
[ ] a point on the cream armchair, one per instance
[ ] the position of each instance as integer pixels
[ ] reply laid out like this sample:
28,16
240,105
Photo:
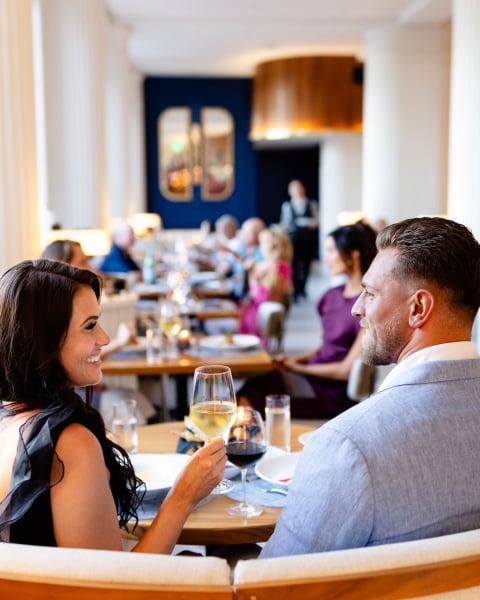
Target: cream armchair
445,567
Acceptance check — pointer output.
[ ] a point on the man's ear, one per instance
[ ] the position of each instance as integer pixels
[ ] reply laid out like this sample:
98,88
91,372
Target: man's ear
421,306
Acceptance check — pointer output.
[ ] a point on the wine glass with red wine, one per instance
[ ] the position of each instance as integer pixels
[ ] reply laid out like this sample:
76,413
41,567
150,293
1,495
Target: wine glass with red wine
246,444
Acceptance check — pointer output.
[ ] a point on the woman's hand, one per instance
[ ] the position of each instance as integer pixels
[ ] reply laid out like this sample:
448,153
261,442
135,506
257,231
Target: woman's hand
279,359
203,472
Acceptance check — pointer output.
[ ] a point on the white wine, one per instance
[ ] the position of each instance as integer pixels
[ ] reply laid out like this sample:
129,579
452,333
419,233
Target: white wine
170,325
213,418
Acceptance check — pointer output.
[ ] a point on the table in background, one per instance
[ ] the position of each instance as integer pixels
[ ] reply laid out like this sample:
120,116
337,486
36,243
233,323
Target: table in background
241,363
209,524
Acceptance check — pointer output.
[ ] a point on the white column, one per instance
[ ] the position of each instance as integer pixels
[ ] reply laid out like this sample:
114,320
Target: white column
464,156
137,154
73,37
117,114
18,162
405,122
340,178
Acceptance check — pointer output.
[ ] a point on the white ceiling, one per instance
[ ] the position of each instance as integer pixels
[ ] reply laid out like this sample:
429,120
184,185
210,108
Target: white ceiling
226,38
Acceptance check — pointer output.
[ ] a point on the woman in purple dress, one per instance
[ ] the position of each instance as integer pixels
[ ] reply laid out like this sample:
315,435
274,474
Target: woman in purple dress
317,380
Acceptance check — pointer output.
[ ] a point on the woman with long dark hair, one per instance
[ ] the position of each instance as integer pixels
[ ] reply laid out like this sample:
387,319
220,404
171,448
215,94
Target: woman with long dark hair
62,481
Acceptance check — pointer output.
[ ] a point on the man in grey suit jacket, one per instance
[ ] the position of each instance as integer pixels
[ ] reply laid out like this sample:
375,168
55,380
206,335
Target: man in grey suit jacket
404,464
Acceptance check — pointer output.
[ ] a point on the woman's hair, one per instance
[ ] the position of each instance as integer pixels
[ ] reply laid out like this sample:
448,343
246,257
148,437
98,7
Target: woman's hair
360,237
36,303
60,250
276,243
440,252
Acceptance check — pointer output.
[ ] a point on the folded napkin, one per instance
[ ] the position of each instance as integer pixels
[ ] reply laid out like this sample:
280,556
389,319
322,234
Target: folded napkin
257,492
151,503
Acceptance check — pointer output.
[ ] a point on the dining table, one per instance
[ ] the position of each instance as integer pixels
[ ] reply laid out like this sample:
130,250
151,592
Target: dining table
242,363
209,524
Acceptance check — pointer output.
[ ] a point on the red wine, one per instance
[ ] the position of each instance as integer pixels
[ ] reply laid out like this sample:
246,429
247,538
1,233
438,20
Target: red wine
244,453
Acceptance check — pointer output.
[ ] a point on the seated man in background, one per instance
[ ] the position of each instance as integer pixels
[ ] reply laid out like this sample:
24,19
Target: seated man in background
246,255
403,464
119,259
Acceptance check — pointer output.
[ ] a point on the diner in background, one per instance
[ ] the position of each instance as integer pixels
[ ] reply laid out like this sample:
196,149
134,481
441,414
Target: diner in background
403,464
269,279
68,251
317,379
119,258
245,255
220,243
63,482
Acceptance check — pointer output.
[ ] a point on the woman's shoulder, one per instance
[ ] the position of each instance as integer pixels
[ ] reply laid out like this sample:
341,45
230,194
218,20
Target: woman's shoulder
75,439
335,291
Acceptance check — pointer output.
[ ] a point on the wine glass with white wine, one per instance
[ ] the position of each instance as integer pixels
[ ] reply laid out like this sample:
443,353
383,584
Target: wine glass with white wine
213,406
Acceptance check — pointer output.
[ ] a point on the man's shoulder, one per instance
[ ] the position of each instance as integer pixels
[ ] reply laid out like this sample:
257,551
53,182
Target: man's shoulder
432,381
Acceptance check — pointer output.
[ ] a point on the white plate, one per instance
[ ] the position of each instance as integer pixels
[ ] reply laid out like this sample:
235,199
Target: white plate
278,469
158,471
304,437
240,341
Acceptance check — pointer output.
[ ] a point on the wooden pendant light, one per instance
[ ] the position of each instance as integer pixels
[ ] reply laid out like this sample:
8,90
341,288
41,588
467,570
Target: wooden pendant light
307,95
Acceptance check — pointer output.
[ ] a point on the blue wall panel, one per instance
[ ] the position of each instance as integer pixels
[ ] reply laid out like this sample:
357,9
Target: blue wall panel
233,94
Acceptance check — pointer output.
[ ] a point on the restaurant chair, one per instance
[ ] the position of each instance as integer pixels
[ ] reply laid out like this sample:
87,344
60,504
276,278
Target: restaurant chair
365,379
271,324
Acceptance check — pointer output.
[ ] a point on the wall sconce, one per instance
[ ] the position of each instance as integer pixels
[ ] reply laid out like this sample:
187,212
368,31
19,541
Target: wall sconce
94,242
144,223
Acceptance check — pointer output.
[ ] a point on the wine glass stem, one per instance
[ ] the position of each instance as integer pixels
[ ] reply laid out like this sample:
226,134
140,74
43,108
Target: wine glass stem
244,485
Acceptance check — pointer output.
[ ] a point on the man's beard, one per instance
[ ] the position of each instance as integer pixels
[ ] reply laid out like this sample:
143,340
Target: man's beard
384,351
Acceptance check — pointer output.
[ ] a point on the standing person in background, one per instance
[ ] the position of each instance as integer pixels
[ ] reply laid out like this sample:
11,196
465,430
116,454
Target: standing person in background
299,216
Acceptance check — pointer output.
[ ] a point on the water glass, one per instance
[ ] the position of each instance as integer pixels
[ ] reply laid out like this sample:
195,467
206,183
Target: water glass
277,417
124,425
154,344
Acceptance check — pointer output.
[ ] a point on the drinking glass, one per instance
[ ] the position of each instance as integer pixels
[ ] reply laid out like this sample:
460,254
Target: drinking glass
213,406
277,416
246,444
124,425
170,322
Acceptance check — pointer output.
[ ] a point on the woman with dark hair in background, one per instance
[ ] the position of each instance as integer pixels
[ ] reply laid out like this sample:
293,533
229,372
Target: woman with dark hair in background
62,481
67,251
317,380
